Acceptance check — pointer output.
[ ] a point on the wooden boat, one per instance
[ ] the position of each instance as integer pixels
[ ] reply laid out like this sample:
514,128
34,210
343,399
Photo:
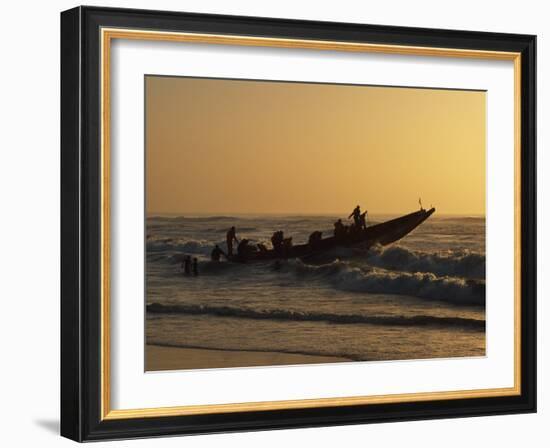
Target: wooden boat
383,234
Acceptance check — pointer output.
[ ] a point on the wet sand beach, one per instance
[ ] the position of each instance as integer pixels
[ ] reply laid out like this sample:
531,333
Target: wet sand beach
176,358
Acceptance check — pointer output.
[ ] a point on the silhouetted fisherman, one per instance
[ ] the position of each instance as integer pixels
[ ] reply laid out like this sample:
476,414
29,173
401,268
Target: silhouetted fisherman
187,265
195,266
363,220
277,241
230,237
216,253
243,248
356,213
287,246
315,239
339,230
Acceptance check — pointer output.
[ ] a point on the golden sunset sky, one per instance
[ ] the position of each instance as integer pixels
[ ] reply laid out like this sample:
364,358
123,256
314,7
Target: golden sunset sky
230,146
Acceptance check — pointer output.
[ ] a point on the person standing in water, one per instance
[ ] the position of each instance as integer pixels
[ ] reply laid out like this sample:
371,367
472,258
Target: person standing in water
186,264
230,237
195,267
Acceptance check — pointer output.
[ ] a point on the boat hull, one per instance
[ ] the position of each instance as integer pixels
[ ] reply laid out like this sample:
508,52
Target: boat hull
384,233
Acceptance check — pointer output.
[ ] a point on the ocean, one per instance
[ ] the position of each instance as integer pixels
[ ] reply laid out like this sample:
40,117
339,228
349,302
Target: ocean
421,297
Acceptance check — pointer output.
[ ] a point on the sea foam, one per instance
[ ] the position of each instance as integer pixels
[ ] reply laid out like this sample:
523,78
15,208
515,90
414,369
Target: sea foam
457,263
426,285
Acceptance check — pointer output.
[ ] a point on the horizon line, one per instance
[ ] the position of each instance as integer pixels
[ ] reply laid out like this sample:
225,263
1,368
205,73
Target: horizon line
228,213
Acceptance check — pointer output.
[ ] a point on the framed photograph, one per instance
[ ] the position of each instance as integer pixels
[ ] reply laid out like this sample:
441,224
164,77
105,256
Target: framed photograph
272,223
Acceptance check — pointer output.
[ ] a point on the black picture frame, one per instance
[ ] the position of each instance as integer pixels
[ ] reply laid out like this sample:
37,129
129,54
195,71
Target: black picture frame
81,227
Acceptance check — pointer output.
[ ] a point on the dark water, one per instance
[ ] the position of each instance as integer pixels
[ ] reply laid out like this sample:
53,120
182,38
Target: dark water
423,297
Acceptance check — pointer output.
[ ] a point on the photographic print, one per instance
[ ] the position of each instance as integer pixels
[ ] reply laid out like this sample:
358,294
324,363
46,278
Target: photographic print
335,210
297,223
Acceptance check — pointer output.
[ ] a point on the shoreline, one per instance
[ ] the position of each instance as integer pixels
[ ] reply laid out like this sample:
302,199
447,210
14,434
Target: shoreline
161,357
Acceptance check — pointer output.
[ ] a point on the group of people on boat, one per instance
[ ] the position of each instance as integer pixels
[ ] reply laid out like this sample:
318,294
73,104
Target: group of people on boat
282,246
230,238
359,219
343,231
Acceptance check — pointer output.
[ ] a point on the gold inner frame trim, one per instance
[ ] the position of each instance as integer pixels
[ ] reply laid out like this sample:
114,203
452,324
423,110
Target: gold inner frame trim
107,35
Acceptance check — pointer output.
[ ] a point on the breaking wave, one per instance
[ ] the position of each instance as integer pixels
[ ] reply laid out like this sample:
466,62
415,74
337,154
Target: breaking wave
289,315
426,285
175,245
462,263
